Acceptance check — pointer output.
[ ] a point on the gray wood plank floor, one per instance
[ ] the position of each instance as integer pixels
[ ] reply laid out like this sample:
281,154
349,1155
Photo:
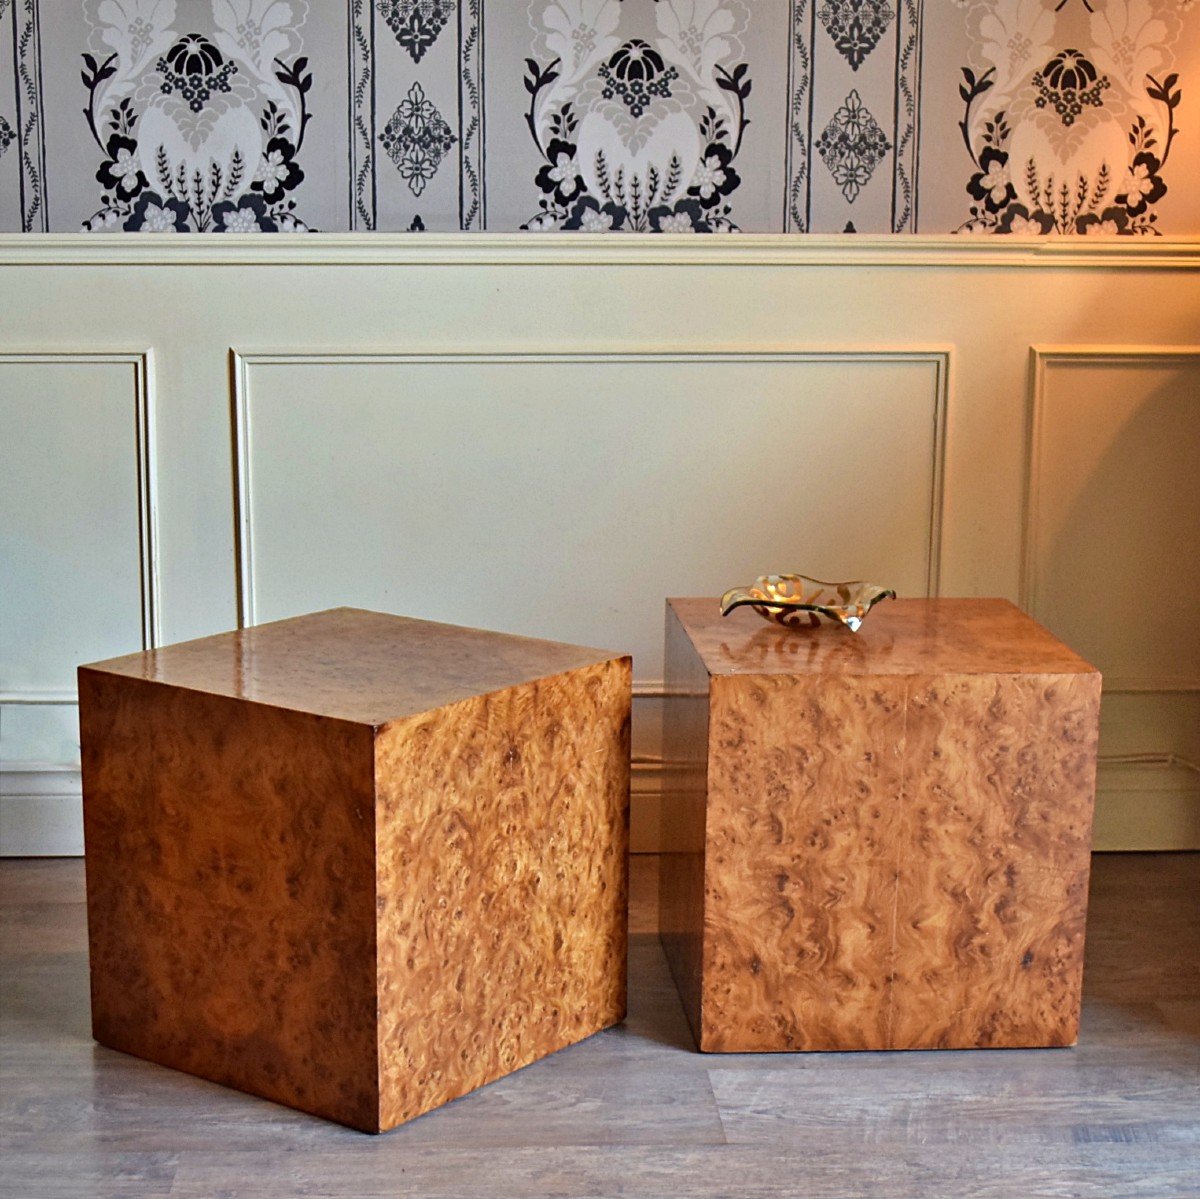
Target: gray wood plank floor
635,1111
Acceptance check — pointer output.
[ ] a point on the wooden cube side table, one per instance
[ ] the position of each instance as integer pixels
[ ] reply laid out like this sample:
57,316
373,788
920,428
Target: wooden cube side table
355,863
880,840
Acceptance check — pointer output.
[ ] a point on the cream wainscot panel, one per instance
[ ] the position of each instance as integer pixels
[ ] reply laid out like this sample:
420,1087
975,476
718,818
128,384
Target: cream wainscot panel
548,435
77,546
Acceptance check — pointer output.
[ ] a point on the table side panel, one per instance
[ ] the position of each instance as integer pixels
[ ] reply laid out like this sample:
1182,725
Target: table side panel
897,862
230,879
1000,788
503,882
805,836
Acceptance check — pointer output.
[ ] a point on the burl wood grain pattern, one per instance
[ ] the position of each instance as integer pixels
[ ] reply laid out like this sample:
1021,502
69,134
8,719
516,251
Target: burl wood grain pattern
509,940
231,891
358,914
897,828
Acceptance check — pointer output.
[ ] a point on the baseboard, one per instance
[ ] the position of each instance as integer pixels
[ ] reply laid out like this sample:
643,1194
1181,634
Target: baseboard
41,811
1147,807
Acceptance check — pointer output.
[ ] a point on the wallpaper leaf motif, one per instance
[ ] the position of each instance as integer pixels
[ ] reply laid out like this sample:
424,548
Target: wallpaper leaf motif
29,126
362,103
908,71
799,100
471,198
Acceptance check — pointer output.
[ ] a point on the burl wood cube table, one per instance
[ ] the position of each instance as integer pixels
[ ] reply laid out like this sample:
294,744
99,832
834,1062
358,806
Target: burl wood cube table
881,840
355,863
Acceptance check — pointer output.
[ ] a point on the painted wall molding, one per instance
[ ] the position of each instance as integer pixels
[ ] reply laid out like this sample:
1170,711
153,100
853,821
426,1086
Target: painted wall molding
1042,357
488,249
989,299
142,364
41,802
877,116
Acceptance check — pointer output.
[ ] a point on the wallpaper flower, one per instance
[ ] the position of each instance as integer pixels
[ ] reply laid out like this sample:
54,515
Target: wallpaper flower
637,134
198,126
1066,140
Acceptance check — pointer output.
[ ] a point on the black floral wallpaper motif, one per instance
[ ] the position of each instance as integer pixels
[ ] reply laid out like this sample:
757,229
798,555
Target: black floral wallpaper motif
636,136
1054,117
1070,140
202,134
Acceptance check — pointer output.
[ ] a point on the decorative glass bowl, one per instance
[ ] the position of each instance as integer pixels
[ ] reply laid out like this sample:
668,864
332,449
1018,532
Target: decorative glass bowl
796,601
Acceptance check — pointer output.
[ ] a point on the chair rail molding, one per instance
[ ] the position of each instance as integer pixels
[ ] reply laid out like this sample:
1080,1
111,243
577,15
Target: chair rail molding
582,249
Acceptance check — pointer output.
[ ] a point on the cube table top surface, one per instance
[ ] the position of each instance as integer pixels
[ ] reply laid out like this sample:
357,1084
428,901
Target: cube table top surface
899,637
354,665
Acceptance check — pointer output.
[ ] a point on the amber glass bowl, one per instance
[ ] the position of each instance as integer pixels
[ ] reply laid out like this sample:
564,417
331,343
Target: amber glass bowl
797,601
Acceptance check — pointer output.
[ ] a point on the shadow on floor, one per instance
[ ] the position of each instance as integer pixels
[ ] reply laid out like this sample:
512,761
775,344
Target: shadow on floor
1143,939
655,1012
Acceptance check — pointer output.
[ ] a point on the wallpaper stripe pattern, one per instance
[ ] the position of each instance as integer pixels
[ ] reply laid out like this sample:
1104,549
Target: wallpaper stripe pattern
27,132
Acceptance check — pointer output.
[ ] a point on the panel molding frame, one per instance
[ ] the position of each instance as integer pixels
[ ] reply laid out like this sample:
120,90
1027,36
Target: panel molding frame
146,466
1041,357
242,360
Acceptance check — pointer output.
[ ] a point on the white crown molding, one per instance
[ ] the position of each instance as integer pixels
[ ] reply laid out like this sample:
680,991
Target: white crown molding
531,249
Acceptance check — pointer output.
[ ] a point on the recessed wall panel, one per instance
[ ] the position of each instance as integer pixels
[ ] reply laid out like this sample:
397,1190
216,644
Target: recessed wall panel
1114,510
565,495
74,540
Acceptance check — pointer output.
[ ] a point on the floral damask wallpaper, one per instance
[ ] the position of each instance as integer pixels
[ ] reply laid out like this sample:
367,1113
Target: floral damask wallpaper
229,116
